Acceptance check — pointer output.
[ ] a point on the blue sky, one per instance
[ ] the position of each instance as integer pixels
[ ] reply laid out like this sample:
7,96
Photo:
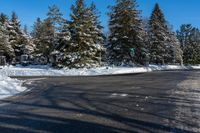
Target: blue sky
177,12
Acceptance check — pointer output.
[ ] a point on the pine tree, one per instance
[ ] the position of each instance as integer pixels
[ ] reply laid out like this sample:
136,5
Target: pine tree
146,40
164,46
55,16
16,37
176,53
126,44
97,36
5,46
61,51
28,47
64,37
25,30
4,18
190,41
158,36
46,40
36,32
184,35
37,37
85,52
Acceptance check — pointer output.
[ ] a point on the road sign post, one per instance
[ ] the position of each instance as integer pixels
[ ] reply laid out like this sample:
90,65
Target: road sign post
132,52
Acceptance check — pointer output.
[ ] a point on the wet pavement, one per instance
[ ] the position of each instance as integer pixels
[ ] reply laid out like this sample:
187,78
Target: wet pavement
158,102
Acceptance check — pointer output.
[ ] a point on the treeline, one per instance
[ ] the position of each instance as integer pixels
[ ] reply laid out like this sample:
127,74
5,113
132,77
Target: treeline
80,42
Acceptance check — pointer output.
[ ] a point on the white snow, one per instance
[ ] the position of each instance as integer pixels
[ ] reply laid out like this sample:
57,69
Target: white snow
47,71
118,95
9,87
124,95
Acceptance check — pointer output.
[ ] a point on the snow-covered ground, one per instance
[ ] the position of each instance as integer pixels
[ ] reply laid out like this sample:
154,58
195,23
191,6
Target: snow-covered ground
47,71
9,87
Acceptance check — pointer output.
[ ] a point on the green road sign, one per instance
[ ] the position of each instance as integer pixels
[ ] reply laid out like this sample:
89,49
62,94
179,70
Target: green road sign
132,51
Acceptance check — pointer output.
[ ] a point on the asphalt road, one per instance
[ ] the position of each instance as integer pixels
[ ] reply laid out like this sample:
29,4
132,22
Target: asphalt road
155,102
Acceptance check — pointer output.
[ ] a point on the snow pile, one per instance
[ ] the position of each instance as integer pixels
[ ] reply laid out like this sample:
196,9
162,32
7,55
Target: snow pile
9,87
197,67
47,71
167,67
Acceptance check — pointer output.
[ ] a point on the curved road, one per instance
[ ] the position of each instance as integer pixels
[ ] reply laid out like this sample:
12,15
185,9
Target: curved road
155,102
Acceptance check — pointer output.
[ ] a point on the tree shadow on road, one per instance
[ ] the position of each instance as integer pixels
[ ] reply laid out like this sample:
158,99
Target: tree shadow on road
61,108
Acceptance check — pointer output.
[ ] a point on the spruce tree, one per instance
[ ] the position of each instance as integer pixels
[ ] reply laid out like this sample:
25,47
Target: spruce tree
85,51
46,40
158,36
55,16
164,45
28,46
97,36
176,53
185,37
5,46
4,18
60,53
126,45
16,37
25,30
36,32
183,34
189,37
64,37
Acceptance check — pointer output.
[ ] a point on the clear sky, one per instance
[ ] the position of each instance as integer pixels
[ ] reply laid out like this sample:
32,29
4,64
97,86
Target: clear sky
177,12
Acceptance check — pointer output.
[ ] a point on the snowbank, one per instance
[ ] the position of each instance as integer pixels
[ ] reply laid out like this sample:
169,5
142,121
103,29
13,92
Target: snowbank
9,87
47,71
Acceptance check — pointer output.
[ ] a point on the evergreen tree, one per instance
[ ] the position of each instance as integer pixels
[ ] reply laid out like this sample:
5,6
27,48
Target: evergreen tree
14,31
164,45
146,39
16,37
64,37
55,16
97,36
59,54
158,37
190,41
126,44
176,53
46,41
84,51
5,46
36,32
25,30
28,47
4,18
184,35
44,38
